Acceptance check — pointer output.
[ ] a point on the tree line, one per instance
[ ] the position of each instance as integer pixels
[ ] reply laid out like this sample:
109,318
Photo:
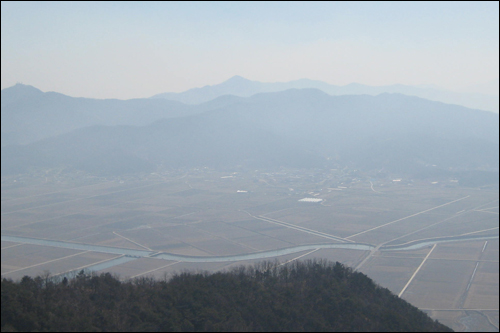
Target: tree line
301,296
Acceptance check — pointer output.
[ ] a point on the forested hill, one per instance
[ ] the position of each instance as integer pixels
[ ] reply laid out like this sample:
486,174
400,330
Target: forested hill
310,296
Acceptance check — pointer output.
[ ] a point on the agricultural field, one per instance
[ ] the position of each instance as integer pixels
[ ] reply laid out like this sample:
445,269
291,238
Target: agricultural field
436,246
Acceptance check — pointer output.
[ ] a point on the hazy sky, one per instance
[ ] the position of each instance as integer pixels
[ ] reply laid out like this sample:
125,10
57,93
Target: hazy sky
138,49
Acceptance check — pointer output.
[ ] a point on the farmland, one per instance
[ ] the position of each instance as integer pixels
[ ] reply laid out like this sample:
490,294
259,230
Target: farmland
433,242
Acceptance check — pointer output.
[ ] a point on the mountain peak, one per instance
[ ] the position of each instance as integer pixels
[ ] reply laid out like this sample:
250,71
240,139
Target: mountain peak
19,87
238,85
237,78
19,91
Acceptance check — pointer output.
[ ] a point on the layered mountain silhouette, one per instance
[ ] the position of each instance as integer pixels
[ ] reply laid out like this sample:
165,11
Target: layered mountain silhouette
292,128
239,86
29,114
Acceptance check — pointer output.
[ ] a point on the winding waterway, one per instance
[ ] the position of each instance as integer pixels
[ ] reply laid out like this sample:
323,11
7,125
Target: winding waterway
130,254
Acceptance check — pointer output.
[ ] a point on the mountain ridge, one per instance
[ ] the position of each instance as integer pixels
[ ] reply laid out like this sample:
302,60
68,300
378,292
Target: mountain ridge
29,115
293,128
242,87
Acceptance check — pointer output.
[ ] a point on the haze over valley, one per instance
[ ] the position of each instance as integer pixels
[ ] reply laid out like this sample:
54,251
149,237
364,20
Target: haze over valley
152,186
239,86
151,139
292,128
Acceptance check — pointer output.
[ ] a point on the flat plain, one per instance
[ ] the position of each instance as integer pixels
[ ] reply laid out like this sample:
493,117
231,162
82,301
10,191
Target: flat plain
210,221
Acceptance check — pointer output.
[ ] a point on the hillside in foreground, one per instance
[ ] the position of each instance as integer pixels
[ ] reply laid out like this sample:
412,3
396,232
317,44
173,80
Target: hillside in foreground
301,296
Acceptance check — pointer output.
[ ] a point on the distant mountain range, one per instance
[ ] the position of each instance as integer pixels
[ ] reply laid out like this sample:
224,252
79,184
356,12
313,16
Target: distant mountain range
292,128
239,86
29,115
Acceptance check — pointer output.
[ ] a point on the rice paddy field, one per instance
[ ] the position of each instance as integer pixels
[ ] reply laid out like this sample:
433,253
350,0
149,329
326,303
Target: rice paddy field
435,245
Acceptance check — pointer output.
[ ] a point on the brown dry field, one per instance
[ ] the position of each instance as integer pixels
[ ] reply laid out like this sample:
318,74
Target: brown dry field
491,251
419,253
179,267
440,284
26,255
391,273
444,278
9,244
346,257
458,251
35,260
493,210
493,317
64,265
139,267
466,223
483,292
449,318
205,216
467,321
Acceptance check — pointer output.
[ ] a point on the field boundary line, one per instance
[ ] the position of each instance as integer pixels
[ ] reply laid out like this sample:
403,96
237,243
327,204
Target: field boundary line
411,279
303,229
402,257
472,277
79,199
484,246
489,208
475,232
407,217
8,247
153,270
294,227
145,247
286,262
492,261
62,216
45,262
223,237
485,211
92,264
69,189
440,239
